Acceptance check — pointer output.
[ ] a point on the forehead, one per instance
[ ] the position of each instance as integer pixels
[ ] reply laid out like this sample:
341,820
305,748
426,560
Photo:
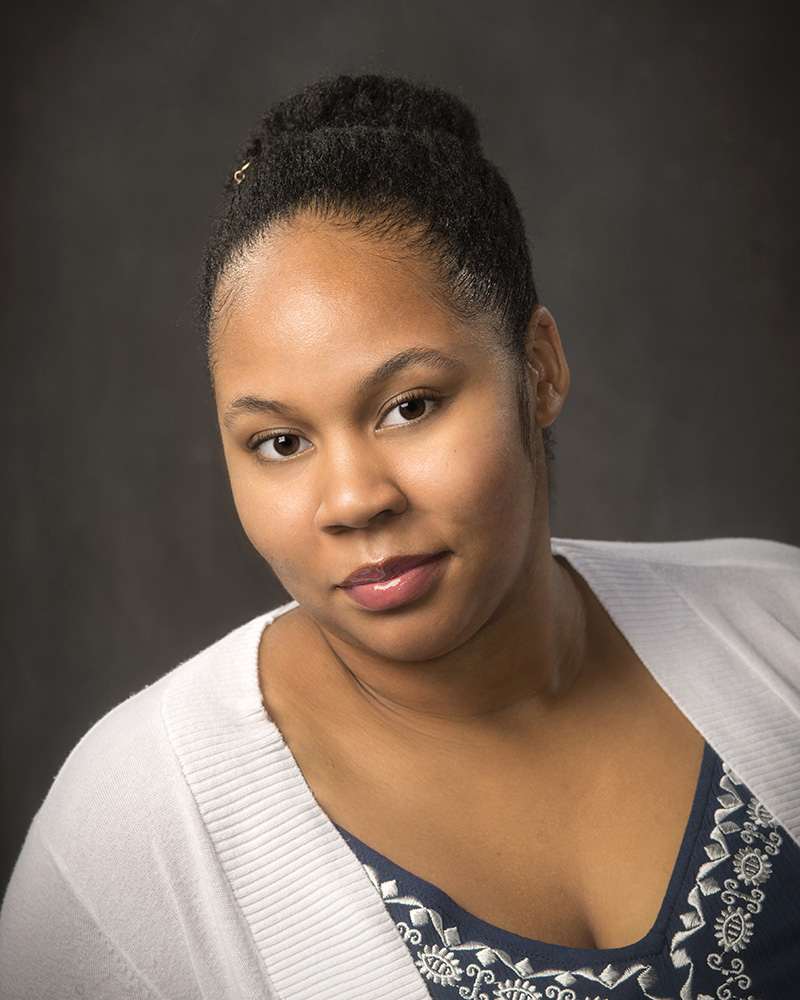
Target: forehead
322,295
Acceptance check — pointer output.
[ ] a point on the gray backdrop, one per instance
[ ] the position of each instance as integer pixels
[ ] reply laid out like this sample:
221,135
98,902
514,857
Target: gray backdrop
654,150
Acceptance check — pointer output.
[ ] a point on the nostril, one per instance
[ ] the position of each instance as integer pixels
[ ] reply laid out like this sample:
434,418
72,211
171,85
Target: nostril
358,505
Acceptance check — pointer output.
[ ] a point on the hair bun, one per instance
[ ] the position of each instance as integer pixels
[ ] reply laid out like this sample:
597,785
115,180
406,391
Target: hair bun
372,102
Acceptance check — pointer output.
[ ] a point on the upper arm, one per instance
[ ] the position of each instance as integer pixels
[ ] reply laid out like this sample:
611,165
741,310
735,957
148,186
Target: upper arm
50,944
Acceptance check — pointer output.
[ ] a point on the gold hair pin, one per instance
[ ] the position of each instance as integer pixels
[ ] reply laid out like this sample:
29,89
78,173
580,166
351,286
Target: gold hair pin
239,174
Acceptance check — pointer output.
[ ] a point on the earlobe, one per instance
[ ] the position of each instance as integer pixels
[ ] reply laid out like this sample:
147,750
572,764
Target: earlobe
548,367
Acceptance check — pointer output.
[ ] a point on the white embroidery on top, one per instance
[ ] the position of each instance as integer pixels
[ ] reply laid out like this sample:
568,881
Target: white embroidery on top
740,897
472,967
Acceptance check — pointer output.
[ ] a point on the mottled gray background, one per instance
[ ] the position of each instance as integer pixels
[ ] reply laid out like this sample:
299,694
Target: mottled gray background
654,150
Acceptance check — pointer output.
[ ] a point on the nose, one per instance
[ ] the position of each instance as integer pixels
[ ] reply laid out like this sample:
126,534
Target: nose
355,487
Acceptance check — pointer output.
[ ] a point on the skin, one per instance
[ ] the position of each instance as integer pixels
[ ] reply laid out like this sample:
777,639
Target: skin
468,734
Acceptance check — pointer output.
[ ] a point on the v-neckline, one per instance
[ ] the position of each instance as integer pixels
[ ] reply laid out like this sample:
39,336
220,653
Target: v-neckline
651,942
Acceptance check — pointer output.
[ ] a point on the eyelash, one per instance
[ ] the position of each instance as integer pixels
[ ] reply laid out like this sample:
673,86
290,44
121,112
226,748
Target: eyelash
428,395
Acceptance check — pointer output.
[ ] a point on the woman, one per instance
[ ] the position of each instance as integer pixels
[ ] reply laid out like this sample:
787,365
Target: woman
559,769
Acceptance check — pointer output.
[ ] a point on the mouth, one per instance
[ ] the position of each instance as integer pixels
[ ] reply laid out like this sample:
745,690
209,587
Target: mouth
392,582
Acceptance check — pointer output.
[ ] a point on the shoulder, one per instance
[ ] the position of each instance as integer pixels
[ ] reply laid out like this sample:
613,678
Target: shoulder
752,553
119,873
123,787
726,569
744,593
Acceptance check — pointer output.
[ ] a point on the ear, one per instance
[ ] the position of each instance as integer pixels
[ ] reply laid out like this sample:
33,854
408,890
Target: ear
548,372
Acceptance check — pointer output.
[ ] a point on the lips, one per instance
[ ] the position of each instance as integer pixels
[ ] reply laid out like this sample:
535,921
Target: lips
386,570
393,582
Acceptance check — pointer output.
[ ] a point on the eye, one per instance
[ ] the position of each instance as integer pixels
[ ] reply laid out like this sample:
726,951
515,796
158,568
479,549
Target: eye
408,410
278,447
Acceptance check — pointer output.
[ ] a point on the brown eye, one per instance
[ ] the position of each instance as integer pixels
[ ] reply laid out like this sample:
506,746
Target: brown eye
282,446
412,409
409,409
286,444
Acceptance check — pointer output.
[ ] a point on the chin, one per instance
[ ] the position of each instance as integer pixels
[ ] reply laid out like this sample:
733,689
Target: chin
406,642
423,630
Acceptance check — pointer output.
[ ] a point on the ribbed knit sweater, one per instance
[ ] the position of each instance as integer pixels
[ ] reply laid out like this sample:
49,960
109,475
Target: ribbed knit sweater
180,853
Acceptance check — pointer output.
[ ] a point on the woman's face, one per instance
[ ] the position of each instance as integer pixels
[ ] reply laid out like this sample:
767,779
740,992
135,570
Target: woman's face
373,444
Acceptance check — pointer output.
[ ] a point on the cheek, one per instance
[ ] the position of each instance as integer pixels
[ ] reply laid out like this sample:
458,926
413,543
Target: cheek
274,516
479,478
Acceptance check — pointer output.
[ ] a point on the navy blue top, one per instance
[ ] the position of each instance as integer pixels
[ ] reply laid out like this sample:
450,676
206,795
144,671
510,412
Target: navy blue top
729,926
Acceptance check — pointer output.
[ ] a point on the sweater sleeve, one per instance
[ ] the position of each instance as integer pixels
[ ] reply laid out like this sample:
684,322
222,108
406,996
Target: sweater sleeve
118,891
51,946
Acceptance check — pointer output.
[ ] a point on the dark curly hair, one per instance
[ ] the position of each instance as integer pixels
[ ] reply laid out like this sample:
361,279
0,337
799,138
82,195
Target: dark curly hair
393,159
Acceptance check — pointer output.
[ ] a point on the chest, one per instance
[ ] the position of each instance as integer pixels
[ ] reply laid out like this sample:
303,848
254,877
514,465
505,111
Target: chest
569,844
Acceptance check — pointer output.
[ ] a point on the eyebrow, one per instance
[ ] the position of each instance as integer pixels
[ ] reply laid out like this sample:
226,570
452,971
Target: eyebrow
405,359
385,370
253,404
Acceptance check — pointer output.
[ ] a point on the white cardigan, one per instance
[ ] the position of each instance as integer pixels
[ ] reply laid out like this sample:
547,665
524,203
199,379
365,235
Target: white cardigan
180,853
